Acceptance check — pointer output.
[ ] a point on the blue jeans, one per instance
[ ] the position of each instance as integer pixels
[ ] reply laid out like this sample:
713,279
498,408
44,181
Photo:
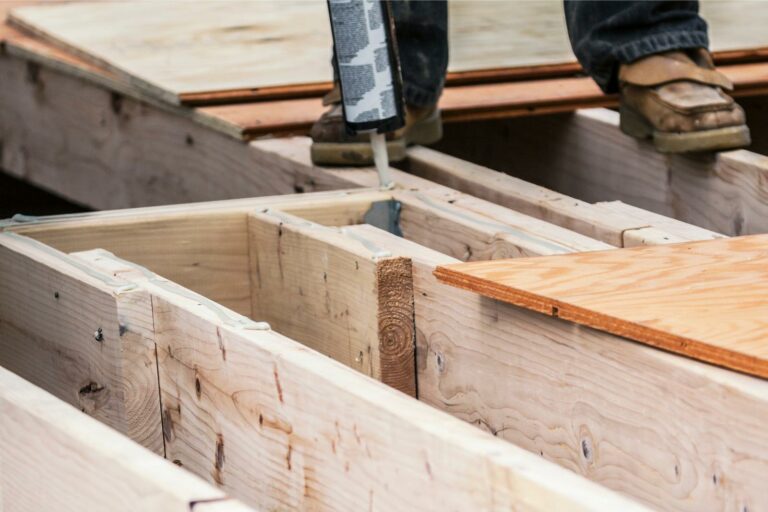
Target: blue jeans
603,34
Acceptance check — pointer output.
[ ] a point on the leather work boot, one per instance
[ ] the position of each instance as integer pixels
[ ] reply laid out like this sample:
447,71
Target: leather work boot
677,99
332,145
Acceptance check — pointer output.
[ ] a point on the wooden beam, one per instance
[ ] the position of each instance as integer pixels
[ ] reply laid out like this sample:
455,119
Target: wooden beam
674,227
724,193
106,150
610,226
465,226
85,465
343,298
81,335
483,232
669,431
203,247
234,394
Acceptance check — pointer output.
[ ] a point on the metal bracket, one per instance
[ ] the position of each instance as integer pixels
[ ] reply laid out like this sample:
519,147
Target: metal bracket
385,215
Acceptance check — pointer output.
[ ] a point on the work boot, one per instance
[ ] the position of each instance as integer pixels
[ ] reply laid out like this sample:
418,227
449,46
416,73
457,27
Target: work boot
332,145
677,99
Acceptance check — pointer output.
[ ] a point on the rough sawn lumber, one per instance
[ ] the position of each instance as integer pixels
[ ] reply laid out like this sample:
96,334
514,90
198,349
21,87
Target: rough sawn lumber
56,458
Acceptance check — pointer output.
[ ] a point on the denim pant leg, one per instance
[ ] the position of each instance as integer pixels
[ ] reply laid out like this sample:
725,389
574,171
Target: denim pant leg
421,28
605,34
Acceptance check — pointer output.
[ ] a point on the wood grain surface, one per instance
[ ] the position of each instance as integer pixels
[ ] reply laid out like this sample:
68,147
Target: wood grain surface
704,299
243,49
675,433
281,427
81,335
461,102
56,458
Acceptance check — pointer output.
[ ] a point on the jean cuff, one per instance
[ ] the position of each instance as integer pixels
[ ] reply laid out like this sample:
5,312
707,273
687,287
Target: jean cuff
659,43
607,79
419,96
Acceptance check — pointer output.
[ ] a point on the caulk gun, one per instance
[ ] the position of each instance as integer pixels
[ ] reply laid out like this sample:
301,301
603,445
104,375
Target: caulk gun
368,72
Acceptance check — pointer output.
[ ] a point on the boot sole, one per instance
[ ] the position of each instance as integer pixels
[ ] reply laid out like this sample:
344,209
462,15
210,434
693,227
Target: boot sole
428,131
718,139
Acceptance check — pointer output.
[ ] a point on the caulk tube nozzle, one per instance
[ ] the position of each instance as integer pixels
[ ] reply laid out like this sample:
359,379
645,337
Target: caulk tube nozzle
367,65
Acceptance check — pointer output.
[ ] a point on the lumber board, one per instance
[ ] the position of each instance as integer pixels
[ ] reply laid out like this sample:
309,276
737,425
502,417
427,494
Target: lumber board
199,53
337,295
680,230
145,147
674,433
460,103
724,193
700,299
81,335
486,232
613,225
447,323
203,247
56,458
325,437
105,150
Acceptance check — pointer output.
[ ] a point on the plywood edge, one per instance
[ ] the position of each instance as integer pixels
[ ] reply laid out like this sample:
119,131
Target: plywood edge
658,338
16,19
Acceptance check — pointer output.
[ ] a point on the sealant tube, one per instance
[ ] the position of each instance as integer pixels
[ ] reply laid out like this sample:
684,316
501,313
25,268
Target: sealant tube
367,64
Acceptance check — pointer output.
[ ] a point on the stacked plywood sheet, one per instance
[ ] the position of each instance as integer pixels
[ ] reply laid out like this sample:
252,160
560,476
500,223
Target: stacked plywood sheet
207,51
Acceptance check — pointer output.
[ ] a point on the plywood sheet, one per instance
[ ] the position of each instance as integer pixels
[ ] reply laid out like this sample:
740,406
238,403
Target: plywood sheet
707,300
199,51
461,103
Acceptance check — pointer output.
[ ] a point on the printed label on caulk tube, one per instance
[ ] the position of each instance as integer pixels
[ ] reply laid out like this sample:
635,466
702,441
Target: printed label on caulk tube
363,60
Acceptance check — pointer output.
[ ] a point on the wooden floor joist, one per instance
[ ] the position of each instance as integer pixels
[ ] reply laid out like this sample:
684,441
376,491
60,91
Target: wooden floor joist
125,153
279,425
590,401
675,433
584,155
110,373
55,458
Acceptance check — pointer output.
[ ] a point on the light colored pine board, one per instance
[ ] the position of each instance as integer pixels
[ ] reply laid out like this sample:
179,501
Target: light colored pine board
452,326
198,48
112,165
614,225
679,229
81,335
280,426
335,294
107,151
56,458
484,232
672,432
700,299
226,505
203,247
725,193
